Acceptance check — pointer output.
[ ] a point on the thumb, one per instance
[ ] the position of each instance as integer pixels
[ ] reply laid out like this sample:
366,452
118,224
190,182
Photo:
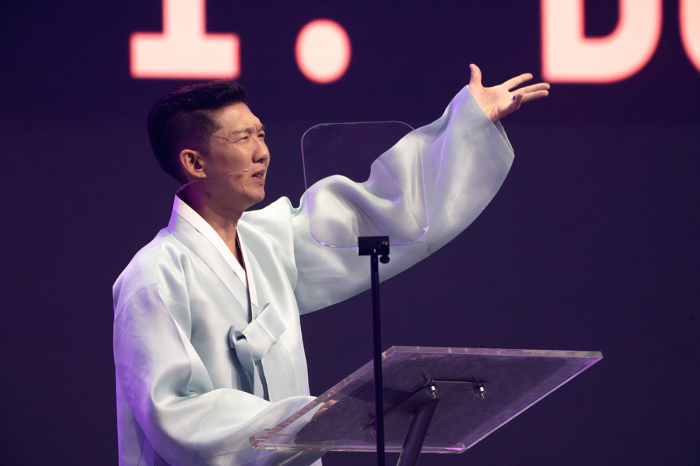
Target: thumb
475,78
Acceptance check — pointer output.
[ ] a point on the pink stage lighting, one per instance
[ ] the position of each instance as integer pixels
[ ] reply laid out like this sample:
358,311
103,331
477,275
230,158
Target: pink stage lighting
184,50
569,56
323,51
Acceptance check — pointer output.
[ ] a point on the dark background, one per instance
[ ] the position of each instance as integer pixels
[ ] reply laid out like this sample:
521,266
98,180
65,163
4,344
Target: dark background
591,244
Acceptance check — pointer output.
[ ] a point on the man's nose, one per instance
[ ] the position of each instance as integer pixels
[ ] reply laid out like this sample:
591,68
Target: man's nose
262,153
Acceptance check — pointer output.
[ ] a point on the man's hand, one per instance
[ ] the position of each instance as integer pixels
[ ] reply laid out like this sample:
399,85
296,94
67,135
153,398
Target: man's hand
499,101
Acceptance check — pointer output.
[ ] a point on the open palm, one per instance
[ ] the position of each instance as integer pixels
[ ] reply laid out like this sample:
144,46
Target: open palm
500,101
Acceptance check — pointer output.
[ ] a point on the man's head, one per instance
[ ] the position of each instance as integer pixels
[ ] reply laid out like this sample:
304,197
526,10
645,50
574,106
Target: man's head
207,133
184,120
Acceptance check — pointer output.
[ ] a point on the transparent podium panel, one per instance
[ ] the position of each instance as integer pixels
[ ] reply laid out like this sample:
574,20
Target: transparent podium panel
478,389
342,205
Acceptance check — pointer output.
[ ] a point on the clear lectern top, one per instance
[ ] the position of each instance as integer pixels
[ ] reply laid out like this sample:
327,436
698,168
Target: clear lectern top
479,391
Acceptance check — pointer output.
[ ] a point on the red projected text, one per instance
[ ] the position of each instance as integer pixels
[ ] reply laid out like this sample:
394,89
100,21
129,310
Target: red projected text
569,56
690,29
323,51
184,50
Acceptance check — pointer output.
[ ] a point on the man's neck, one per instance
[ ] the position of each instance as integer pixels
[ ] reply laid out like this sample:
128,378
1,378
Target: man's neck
224,222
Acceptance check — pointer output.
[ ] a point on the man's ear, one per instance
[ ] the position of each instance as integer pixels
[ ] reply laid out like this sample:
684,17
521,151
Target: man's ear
193,163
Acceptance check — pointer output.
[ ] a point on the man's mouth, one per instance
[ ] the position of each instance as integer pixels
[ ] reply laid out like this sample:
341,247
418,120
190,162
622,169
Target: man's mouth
259,175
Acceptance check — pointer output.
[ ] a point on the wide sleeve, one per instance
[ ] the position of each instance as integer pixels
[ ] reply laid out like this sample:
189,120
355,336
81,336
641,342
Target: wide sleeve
166,400
465,160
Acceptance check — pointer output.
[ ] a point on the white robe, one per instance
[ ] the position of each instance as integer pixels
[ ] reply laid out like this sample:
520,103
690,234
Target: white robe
182,391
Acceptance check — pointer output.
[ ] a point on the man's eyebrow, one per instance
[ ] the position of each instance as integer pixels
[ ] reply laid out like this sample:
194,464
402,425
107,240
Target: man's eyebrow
248,129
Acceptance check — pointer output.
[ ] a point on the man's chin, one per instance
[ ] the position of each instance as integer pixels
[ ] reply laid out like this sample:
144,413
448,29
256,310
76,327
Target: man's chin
256,200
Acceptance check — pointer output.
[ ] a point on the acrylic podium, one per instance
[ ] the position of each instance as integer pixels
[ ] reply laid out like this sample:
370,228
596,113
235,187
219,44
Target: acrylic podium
450,398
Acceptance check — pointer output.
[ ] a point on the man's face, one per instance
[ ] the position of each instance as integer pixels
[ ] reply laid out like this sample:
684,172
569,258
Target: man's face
238,145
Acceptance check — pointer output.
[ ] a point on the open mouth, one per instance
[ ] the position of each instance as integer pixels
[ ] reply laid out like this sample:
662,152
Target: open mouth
259,175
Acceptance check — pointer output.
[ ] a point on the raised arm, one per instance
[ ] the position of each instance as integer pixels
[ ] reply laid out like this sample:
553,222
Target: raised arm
465,159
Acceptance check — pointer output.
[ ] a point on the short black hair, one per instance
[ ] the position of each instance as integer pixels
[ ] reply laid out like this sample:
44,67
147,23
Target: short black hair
182,120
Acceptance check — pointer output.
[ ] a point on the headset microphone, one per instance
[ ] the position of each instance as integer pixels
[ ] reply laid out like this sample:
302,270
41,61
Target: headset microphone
208,181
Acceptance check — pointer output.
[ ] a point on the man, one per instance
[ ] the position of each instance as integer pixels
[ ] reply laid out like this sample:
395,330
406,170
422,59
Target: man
207,341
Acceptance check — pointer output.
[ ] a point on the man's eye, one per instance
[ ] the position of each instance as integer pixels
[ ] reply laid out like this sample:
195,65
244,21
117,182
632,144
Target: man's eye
261,135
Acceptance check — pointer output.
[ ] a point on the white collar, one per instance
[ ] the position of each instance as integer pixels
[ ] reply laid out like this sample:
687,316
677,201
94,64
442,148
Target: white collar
193,218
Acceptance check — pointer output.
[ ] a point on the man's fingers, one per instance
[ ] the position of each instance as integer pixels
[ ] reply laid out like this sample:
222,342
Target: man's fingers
517,81
530,96
475,78
533,88
517,101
